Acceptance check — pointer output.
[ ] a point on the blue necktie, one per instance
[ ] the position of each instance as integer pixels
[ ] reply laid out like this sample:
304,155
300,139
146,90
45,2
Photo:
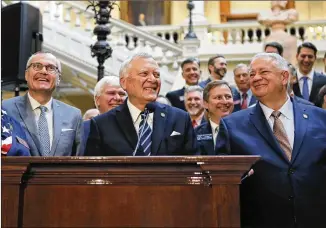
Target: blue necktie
145,133
305,89
43,132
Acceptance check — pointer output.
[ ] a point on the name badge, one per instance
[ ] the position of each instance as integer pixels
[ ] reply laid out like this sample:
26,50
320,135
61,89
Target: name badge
204,137
22,141
182,98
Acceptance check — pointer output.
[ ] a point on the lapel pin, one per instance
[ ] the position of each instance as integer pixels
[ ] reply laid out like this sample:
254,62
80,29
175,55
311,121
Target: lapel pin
162,114
305,116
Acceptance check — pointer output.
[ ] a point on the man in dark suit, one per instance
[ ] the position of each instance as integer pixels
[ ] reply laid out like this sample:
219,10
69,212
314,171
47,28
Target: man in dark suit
140,126
53,128
191,73
108,94
309,81
13,137
288,187
242,97
217,68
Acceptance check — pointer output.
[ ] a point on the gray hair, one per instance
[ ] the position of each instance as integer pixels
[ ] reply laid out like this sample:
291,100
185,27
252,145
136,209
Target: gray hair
278,60
126,64
195,88
240,65
106,80
49,54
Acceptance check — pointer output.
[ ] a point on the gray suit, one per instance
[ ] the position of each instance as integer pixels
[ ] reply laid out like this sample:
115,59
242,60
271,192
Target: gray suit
67,125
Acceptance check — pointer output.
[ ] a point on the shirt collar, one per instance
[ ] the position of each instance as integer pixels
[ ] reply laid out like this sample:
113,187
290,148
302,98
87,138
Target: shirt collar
310,75
249,93
134,111
35,104
286,109
213,126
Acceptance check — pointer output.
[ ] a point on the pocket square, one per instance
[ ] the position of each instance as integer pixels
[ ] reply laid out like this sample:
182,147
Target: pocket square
175,133
67,129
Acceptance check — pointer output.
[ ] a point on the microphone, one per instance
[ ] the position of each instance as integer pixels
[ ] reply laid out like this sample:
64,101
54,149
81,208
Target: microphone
150,107
251,172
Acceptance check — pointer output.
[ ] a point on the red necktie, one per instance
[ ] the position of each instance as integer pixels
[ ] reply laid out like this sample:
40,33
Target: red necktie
194,123
244,104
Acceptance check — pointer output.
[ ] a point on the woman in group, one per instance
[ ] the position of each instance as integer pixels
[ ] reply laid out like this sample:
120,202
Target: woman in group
218,103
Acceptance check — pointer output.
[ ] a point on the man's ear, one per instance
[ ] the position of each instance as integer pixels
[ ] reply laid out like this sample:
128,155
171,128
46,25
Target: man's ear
123,82
325,98
211,68
285,77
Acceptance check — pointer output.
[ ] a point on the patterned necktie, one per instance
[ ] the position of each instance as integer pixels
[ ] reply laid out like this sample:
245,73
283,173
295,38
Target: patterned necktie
43,132
145,133
244,104
305,89
280,134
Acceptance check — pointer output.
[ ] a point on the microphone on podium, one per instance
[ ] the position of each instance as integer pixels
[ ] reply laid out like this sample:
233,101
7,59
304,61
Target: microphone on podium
150,107
251,172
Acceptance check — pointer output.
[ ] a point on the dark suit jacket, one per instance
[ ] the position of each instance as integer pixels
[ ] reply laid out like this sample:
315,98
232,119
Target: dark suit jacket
237,100
205,142
67,125
176,98
280,192
113,133
87,126
318,81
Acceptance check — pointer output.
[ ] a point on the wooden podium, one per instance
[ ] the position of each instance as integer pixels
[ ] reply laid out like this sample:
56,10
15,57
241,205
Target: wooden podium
192,191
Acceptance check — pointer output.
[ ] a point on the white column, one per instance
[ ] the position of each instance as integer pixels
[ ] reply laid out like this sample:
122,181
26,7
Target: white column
199,12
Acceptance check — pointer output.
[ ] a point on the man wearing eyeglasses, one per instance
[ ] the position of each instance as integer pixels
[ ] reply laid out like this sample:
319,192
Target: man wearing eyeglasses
53,127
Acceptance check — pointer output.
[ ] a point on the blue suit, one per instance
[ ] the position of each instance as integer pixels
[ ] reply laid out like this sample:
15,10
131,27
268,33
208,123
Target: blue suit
318,81
176,98
67,125
13,137
113,133
280,193
237,101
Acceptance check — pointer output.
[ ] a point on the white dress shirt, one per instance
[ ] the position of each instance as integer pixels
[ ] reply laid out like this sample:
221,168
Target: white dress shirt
48,114
286,117
136,117
215,128
310,78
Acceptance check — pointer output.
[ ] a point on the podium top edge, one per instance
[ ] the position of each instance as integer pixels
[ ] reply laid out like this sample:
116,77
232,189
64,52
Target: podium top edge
131,159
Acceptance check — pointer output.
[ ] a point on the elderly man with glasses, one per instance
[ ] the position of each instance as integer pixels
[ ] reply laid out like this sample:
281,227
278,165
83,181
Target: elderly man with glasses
53,128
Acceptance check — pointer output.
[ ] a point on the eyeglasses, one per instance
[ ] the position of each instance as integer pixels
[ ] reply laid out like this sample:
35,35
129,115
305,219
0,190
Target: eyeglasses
39,66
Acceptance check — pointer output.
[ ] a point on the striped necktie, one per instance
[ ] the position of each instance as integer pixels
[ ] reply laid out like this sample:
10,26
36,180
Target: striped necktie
144,134
43,132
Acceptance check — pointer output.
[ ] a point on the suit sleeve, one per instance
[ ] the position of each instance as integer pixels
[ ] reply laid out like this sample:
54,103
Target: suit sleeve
222,146
93,144
77,143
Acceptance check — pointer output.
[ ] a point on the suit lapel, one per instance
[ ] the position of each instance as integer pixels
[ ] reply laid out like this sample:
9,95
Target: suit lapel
314,88
57,125
257,117
124,120
26,113
301,119
160,116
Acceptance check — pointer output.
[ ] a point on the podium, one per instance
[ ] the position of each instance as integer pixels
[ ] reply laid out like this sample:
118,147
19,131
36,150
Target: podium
180,191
